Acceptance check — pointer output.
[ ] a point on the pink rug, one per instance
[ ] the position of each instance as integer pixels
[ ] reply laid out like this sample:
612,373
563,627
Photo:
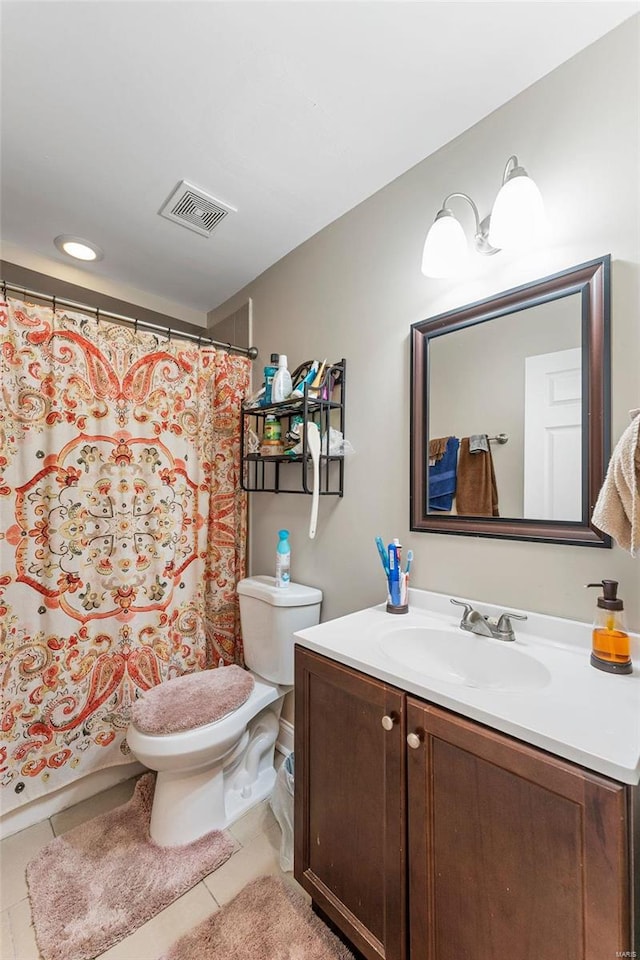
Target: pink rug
99,882
266,921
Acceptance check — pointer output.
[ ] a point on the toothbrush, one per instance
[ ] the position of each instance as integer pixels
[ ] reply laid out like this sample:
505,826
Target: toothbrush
383,555
404,590
405,577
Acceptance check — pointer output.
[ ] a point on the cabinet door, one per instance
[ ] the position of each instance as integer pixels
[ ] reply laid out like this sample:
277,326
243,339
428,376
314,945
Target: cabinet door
514,853
350,803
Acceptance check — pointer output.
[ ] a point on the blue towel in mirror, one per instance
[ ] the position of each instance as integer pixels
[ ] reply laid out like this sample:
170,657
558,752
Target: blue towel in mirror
442,478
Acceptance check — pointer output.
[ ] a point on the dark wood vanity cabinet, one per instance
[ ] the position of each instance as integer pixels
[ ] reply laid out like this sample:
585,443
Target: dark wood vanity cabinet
441,839
513,852
350,802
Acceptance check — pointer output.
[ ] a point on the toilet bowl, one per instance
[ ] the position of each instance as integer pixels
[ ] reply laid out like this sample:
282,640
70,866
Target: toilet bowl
211,773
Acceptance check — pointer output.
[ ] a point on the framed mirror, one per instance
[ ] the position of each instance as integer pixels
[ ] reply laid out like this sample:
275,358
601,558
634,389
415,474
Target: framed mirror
511,410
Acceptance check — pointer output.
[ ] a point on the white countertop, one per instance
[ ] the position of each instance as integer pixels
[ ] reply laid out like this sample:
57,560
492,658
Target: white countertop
582,714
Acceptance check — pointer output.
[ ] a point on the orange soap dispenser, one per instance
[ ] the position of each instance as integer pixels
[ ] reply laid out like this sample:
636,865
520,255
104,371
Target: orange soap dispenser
611,649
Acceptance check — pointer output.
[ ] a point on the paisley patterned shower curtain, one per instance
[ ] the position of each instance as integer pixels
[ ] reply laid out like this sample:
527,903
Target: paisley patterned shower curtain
122,533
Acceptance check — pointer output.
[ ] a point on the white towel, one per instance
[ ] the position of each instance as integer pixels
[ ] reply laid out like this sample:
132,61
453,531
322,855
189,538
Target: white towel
617,510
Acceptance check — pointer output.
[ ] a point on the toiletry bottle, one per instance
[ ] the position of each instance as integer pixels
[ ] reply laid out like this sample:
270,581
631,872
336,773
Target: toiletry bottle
308,379
269,373
611,649
281,386
283,559
272,428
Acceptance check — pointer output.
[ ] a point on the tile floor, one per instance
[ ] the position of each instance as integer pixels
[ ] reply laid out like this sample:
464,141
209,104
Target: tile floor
257,841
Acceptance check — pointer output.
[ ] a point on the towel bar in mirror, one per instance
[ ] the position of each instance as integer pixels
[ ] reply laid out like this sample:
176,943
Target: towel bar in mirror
532,363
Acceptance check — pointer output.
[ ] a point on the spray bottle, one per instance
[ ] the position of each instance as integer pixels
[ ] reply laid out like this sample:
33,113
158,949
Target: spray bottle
611,650
283,560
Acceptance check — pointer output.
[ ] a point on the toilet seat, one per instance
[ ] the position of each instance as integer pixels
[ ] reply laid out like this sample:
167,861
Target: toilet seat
192,700
185,749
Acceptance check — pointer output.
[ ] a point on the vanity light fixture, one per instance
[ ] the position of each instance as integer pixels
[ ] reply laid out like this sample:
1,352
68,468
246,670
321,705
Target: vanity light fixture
78,248
517,220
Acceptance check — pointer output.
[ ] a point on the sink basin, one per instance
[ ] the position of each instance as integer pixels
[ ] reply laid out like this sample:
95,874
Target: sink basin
464,658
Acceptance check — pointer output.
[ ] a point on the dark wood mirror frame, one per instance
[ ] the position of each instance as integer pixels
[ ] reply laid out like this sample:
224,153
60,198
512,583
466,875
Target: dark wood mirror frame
592,282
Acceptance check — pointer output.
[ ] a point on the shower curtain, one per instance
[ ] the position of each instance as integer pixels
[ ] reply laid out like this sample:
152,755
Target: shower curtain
122,537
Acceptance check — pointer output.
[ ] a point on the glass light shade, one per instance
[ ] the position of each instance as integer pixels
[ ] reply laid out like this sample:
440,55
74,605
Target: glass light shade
78,248
445,253
79,251
517,218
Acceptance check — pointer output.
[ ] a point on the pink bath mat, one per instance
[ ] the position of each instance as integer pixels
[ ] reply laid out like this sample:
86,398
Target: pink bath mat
266,921
96,884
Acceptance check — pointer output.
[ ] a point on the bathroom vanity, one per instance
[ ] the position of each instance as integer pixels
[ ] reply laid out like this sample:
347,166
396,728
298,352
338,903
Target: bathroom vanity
450,804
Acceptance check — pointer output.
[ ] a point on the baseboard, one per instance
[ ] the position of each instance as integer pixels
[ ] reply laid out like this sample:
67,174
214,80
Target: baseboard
44,807
284,742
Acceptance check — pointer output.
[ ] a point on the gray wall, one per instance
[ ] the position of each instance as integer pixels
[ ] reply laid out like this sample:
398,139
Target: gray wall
236,328
354,289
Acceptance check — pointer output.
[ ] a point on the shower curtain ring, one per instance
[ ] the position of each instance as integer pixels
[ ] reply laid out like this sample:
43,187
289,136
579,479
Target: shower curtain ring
53,304
135,325
98,315
169,335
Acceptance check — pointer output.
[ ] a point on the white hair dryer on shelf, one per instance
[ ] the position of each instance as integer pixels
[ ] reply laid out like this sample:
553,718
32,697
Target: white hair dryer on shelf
313,442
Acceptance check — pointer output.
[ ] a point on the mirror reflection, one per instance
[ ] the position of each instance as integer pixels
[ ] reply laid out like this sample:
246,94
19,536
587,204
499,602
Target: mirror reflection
505,416
510,412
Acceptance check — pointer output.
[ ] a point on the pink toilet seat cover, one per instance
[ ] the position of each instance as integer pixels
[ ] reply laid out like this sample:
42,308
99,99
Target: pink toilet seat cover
192,700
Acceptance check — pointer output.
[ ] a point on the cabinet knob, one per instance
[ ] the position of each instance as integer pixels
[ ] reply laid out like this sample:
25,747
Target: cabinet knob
388,722
414,740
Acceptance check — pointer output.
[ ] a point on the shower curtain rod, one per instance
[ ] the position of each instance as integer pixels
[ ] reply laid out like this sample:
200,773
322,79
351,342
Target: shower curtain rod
251,352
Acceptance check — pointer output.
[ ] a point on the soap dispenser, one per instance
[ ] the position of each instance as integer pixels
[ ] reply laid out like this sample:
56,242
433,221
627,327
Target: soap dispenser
611,647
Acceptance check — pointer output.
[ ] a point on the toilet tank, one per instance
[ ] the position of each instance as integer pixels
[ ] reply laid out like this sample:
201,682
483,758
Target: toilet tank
269,617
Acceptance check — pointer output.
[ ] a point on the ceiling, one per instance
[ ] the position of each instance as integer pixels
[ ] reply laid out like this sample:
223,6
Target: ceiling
290,112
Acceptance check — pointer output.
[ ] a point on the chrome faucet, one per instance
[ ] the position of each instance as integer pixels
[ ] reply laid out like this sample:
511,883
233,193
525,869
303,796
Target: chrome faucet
499,628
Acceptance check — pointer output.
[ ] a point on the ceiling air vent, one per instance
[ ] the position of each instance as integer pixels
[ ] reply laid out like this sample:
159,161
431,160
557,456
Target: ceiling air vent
195,209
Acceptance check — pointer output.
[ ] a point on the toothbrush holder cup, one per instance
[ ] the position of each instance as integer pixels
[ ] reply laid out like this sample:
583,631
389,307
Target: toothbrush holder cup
397,608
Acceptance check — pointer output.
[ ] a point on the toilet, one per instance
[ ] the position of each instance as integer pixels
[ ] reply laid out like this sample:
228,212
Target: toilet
216,761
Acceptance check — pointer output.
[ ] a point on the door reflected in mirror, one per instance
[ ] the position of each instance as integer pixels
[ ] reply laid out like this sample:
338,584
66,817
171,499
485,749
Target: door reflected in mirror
510,412
518,380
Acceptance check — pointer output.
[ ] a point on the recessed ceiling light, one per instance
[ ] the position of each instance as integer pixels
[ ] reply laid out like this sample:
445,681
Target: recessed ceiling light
78,248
